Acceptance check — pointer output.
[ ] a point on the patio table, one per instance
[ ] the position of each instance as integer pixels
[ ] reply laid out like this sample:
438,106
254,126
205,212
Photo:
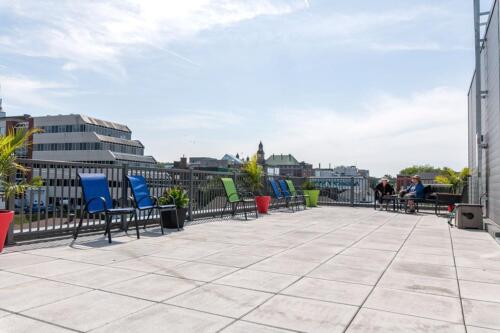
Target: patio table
391,198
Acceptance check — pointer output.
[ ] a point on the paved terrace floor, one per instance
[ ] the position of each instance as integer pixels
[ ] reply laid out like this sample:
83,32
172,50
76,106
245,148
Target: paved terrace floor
332,269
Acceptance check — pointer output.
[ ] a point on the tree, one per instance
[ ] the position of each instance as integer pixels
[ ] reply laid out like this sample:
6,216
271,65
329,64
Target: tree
391,178
418,169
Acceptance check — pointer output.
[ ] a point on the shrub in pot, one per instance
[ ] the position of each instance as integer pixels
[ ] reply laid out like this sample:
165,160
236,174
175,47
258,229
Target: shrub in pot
253,180
178,197
311,192
9,143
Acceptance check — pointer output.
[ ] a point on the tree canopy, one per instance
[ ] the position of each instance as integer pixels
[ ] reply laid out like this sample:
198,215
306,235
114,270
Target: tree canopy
418,169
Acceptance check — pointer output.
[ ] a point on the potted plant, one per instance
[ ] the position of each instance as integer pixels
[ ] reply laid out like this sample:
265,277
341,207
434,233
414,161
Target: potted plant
9,167
253,180
179,197
311,192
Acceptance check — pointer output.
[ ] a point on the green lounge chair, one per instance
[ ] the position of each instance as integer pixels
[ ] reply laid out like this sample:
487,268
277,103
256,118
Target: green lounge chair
234,198
299,196
289,198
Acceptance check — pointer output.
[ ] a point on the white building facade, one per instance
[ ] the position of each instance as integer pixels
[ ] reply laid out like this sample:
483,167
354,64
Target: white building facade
79,138
484,117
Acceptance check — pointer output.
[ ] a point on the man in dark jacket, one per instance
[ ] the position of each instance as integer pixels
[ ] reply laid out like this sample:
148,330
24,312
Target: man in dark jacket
383,189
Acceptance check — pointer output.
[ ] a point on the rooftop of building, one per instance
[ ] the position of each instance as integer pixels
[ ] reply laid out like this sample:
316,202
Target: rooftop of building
112,139
134,158
276,160
351,270
85,119
232,159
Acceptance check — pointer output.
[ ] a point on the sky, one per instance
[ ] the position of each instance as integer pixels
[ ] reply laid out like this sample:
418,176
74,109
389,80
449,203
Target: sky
378,84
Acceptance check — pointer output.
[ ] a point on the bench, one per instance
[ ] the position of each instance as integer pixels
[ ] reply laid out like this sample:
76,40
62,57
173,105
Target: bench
438,195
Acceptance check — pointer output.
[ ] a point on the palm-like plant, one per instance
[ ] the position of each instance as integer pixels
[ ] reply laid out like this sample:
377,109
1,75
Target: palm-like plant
9,166
455,179
175,195
253,175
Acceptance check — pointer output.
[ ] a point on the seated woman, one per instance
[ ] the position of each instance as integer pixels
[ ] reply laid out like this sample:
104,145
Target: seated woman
415,190
382,190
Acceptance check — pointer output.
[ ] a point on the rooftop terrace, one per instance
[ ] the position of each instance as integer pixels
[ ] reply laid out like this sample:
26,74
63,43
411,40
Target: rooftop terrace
328,269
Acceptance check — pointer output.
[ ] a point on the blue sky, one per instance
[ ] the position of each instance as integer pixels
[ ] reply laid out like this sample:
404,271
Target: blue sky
381,84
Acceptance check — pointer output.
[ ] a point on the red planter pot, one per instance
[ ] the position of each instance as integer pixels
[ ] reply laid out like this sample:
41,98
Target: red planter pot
263,202
6,217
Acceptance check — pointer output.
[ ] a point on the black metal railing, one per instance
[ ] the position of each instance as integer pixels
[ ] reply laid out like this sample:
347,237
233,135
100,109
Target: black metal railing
344,190
52,209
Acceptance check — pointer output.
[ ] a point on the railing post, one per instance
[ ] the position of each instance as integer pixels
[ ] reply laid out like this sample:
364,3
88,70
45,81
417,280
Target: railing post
191,192
352,192
124,193
10,205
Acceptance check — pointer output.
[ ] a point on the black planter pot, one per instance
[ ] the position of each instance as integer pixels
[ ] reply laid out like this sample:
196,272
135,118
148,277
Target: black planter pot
168,218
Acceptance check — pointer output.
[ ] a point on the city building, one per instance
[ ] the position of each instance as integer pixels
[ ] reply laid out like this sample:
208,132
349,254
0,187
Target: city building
484,115
364,173
233,161
11,124
288,165
226,163
208,164
79,138
347,171
182,163
324,173
341,171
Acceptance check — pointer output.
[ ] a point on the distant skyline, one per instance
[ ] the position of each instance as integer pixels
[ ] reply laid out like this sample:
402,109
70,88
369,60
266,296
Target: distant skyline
378,84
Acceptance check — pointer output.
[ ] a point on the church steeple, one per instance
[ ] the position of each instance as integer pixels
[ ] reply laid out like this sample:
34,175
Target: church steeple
261,156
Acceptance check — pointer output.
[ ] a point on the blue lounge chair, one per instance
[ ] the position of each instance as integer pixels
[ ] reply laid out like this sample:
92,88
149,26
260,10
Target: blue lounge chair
143,201
98,200
286,193
278,196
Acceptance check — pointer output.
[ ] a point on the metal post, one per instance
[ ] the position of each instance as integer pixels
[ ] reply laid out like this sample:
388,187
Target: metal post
477,47
191,191
352,192
124,193
11,204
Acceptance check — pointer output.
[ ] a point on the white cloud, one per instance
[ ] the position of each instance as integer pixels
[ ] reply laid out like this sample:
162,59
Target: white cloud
384,135
22,91
426,127
95,35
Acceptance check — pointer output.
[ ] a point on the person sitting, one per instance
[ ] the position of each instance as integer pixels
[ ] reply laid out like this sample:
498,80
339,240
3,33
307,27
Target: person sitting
415,190
383,189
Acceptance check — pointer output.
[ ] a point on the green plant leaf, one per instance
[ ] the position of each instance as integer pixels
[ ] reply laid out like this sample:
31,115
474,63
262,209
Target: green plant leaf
175,195
253,175
9,166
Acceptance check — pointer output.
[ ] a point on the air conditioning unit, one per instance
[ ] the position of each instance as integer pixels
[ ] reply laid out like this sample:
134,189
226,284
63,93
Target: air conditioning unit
469,216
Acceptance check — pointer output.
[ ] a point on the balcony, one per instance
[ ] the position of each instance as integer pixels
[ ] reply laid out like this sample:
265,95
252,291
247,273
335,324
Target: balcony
328,269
